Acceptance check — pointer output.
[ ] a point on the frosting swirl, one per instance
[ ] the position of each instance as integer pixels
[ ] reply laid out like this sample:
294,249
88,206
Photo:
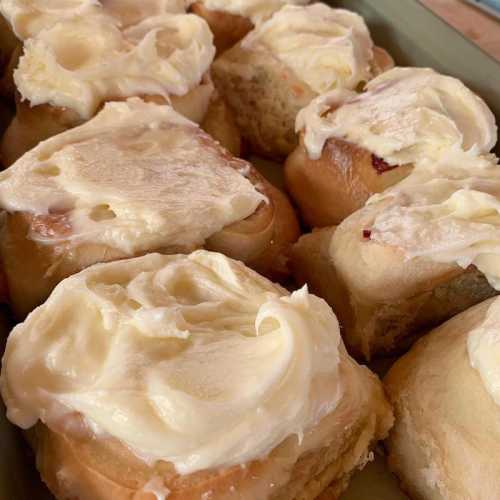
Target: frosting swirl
136,177
83,61
404,116
326,48
195,360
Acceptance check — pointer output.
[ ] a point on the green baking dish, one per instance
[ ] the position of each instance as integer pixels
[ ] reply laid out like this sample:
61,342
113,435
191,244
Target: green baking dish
415,37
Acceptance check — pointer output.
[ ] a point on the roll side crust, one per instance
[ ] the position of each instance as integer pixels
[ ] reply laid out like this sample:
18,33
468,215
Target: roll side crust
80,466
383,301
265,96
331,188
447,430
220,123
33,267
228,29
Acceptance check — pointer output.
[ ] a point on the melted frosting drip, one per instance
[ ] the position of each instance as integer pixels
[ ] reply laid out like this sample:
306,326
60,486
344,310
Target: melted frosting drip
195,360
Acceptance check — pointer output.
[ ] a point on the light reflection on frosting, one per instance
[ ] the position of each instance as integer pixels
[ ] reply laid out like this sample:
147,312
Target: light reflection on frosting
196,360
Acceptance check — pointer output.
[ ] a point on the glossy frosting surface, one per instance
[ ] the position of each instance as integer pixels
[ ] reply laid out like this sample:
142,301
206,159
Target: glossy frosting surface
82,61
326,48
193,359
137,177
405,115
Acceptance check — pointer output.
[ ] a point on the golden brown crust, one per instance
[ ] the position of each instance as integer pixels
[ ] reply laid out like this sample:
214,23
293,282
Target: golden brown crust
331,188
220,123
228,29
265,96
382,300
447,426
80,466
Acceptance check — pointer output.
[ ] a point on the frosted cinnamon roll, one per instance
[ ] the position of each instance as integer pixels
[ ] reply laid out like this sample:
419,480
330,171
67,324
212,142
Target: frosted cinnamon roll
445,393
285,62
189,377
415,255
136,178
231,20
68,70
354,145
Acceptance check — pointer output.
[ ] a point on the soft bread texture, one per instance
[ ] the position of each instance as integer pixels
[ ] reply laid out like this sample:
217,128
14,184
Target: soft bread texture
80,466
340,182
382,300
32,267
447,427
266,93
227,28
265,96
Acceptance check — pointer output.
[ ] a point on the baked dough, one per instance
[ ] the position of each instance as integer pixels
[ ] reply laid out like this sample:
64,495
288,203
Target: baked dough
382,300
269,76
72,67
355,145
295,414
137,178
447,424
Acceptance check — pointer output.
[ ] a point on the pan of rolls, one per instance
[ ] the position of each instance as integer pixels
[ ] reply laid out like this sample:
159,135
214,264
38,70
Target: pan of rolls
184,327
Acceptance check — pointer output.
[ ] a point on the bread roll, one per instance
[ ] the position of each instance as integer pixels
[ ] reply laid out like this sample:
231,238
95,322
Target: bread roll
137,178
445,396
78,62
353,146
271,74
189,377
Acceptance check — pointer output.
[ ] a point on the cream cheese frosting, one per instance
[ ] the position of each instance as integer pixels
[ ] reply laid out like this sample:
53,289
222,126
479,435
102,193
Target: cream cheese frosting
326,48
29,17
483,348
136,177
256,10
83,61
405,115
448,212
195,360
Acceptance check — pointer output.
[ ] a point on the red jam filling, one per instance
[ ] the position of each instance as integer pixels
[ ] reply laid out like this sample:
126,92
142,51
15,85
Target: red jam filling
381,165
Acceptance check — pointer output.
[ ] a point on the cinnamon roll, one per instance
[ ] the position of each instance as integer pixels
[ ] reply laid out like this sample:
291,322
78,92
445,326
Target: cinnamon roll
79,61
426,248
285,62
445,393
355,145
189,377
136,178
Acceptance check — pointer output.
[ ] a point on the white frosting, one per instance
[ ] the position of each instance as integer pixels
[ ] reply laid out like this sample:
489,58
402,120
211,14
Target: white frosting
137,177
448,212
256,10
195,360
83,61
406,114
29,17
326,48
